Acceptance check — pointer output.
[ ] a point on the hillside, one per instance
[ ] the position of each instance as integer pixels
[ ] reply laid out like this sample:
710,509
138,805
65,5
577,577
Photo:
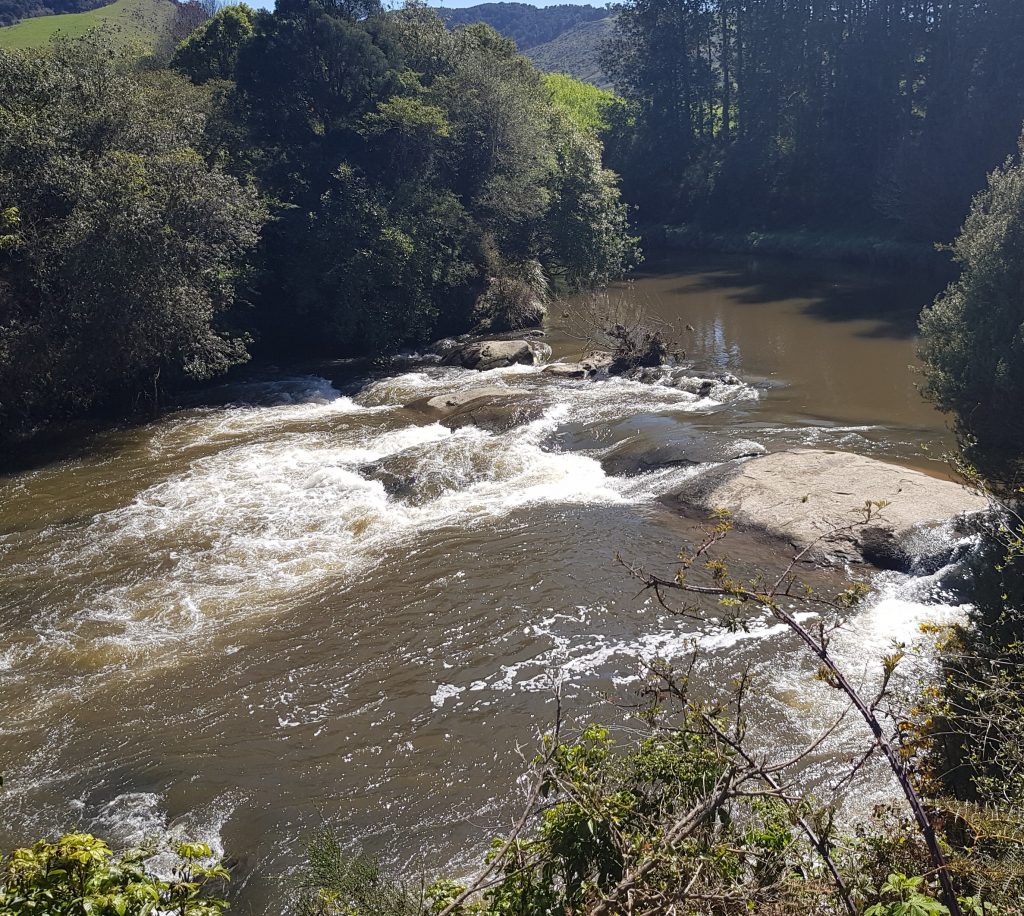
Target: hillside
528,25
11,11
129,20
576,52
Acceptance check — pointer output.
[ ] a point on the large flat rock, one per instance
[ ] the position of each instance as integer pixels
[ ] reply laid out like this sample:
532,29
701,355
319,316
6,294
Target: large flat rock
803,494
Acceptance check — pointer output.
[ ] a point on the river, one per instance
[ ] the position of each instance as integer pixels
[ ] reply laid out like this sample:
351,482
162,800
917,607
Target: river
223,625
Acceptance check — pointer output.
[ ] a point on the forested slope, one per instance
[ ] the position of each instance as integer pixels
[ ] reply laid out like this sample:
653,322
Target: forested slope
526,24
576,52
416,180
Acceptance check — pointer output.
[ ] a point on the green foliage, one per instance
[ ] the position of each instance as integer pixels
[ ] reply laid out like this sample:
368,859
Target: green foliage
588,224
972,338
135,241
211,51
420,167
337,884
410,173
843,116
903,898
586,106
78,875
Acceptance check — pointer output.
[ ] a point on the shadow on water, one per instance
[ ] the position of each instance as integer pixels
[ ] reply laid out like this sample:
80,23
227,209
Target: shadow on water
825,291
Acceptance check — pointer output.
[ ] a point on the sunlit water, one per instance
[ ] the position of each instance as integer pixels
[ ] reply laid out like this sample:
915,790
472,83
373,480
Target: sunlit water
300,600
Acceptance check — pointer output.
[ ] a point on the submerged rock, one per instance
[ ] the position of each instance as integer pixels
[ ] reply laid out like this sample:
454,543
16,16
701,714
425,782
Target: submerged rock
456,400
496,354
491,407
685,379
803,494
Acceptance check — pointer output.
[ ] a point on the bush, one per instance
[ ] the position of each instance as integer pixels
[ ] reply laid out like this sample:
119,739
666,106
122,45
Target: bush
514,300
78,875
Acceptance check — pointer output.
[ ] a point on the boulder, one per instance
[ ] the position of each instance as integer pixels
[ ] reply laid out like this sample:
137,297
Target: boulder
803,494
597,360
489,407
494,416
496,354
567,370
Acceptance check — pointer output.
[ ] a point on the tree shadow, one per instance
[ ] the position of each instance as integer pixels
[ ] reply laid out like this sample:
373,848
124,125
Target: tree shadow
827,292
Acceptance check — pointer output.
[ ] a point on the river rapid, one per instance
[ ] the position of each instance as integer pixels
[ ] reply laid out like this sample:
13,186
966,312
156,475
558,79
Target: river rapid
231,624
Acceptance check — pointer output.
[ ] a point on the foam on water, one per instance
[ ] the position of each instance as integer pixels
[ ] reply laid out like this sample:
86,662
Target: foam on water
580,651
296,485
139,818
283,502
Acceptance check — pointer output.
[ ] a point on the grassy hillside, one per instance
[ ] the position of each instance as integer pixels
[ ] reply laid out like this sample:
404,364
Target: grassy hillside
527,25
128,20
576,52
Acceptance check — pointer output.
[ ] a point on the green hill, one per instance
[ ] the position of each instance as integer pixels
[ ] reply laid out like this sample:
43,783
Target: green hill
128,20
576,52
526,24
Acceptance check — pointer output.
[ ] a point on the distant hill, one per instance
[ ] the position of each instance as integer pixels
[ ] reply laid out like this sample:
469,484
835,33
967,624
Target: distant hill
576,52
130,20
528,25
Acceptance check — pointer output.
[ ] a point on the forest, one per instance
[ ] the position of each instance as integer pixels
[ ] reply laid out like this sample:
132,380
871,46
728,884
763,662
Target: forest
172,213
869,116
340,185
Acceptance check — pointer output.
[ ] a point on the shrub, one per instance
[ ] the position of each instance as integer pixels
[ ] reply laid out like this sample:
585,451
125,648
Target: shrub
79,875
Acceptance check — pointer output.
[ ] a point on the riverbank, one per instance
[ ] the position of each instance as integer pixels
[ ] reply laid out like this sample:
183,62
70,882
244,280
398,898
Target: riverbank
861,250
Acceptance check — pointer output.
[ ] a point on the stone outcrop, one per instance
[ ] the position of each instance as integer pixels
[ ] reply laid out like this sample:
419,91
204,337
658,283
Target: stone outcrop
496,354
803,494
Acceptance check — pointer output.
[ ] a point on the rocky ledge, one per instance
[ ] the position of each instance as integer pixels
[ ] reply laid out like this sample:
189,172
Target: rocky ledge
803,494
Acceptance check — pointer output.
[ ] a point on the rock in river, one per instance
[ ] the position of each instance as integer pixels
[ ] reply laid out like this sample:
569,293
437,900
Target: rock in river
491,407
802,494
496,354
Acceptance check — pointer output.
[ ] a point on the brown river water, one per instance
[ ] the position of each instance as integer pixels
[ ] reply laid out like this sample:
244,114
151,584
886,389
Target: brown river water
222,625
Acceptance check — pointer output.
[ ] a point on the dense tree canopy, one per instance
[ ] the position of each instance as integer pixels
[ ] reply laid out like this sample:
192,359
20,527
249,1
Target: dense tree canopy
407,171
826,112
120,242
410,165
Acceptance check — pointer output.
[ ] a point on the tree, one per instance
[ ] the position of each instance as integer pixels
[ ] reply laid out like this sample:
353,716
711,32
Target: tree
123,245
422,165
211,51
972,337
587,224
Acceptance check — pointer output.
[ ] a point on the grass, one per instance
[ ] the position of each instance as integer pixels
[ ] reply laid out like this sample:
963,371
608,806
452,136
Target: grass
125,20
